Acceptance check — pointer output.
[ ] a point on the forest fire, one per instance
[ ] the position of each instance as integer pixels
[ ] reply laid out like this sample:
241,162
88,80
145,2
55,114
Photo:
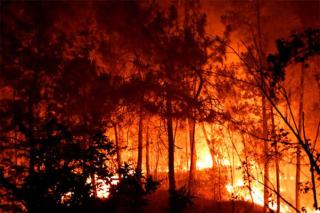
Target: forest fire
205,160
254,194
240,191
160,106
103,188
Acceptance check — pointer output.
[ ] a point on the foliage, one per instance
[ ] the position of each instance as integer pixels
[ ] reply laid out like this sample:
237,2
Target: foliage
174,64
296,49
180,199
62,169
129,194
59,159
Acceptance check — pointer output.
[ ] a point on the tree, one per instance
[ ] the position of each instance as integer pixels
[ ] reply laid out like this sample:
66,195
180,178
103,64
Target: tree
129,195
176,75
254,61
54,114
298,49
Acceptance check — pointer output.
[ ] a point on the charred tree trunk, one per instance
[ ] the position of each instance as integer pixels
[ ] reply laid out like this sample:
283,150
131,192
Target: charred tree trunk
266,157
314,187
86,136
172,183
298,156
187,154
157,159
277,163
262,59
278,180
246,168
193,155
116,137
147,153
140,141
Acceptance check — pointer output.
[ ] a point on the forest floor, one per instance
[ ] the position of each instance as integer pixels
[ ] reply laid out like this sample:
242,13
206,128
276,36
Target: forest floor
210,195
158,203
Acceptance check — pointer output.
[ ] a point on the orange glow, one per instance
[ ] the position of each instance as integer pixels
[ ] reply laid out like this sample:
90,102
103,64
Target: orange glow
219,97
241,192
204,160
103,190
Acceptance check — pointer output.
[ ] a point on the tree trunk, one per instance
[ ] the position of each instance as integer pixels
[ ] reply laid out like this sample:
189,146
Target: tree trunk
147,153
116,137
140,131
266,158
298,165
187,154
277,163
193,155
247,168
86,136
172,184
278,180
314,187
262,59
157,158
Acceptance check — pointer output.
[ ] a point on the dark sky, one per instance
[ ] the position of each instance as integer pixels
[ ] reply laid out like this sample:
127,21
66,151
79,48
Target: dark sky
308,10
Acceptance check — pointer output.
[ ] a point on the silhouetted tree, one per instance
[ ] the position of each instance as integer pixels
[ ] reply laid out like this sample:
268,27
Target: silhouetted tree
55,112
299,48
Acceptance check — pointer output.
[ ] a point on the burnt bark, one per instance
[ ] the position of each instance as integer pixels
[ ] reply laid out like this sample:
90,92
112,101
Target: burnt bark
298,156
140,142
261,60
276,163
147,153
172,183
265,152
193,155
116,136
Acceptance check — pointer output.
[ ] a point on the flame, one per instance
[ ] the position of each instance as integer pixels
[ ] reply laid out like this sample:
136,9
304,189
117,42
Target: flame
241,192
103,189
204,162
222,161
